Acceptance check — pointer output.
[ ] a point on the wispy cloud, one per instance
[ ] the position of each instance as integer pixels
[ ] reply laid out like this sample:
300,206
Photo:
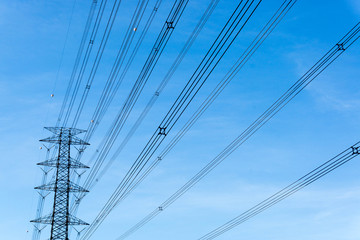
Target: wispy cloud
355,6
332,97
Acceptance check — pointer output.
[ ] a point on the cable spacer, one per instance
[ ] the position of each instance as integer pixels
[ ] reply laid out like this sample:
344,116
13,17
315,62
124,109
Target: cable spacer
162,131
340,47
355,150
170,25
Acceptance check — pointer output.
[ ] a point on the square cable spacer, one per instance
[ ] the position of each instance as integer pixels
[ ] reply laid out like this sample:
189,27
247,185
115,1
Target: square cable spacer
355,150
170,25
162,131
340,47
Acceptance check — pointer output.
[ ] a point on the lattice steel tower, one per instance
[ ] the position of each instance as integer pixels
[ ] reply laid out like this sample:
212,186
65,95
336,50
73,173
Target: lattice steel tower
60,218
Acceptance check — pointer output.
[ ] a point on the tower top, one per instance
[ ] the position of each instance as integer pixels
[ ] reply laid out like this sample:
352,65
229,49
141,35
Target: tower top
72,131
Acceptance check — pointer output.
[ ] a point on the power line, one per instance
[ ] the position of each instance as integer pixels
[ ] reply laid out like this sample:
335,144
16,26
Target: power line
161,86
295,89
155,53
222,43
178,60
93,34
268,28
108,101
86,56
112,86
122,52
110,90
46,170
136,19
103,42
286,192
95,65
144,75
80,52
77,61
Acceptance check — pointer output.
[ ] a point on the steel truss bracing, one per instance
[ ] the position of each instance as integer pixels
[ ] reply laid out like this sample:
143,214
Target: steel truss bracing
60,218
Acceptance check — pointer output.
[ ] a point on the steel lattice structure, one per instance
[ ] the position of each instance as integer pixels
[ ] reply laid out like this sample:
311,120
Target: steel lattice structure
60,218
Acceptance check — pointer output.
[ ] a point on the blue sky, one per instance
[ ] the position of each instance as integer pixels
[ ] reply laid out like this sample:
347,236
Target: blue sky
319,123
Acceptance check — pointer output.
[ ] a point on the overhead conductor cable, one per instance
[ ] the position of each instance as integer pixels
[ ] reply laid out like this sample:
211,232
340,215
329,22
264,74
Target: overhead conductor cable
295,89
232,28
218,89
93,70
65,105
122,52
160,88
150,63
41,201
111,87
289,190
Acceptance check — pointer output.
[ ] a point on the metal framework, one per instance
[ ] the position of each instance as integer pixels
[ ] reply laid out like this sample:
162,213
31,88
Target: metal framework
60,218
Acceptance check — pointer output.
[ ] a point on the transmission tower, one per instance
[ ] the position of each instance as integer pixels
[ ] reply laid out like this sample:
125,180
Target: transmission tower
60,218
